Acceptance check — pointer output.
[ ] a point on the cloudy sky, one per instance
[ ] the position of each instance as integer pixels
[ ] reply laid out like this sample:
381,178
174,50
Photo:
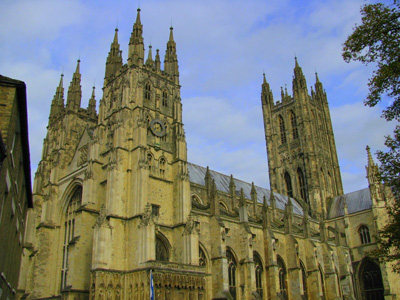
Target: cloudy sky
224,46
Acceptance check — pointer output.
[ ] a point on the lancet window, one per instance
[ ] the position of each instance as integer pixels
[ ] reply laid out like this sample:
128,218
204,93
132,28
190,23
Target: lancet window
162,166
282,129
304,280
302,184
69,230
259,272
295,132
165,99
282,278
363,231
288,183
232,265
161,249
147,91
371,280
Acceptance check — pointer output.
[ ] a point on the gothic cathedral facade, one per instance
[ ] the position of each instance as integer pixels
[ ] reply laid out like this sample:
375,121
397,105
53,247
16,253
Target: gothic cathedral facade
118,209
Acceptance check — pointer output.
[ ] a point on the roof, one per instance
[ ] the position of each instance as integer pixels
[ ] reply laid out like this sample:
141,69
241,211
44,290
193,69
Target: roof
197,175
356,201
23,120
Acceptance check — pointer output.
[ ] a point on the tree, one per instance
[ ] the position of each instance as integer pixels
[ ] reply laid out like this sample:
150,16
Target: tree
376,40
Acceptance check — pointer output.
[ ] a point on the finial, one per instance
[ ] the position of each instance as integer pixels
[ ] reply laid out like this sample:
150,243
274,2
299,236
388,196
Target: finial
316,77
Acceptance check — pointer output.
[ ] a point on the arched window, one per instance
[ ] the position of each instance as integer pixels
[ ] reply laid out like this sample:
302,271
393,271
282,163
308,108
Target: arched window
69,230
149,160
161,249
288,182
165,99
259,271
147,91
282,129
223,205
302,185
371,281
304,280
364,234
232,265
282,278
295,132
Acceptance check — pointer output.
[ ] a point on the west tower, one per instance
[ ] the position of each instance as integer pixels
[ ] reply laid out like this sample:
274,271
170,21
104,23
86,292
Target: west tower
302,156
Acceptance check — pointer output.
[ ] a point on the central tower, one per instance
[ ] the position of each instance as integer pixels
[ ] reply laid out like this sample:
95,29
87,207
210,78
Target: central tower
301,149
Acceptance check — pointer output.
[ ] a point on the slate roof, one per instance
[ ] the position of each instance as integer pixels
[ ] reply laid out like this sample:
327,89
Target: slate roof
197,174
356,201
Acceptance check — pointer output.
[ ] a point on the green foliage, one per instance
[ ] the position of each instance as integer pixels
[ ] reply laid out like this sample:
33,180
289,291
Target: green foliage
377,40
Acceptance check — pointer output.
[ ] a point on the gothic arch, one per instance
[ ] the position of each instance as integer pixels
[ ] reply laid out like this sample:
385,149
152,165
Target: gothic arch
282,277
203,257
232,263
76,183
370,280
196,198
364,234
163,247
258,268
282,130
288,184
302,184
293,123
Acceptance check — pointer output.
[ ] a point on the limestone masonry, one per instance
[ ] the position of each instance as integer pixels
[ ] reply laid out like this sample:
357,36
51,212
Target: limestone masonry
116,198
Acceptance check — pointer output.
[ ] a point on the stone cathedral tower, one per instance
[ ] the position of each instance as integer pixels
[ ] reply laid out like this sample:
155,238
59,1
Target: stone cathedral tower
104,178
302,157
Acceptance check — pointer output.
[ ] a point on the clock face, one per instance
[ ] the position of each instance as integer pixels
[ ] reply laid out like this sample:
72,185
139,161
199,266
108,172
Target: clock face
157,127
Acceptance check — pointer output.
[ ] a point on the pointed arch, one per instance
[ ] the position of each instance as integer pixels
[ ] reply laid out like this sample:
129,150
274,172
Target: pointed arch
232,272
74,202
288,185
304,280
282,273
302,185
162,247
363,232
203,256
165,98
147,91
258,269
293,122
370,278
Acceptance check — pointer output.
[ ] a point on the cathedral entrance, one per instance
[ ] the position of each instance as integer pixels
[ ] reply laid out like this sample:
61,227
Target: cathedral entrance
371,281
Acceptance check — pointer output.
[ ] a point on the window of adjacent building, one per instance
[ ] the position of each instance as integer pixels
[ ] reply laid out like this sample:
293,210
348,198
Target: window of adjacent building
282,129
232,266
282,278
363,231
69,230
165,99
288,183
147,91
295,132
302,184
258,268
161,249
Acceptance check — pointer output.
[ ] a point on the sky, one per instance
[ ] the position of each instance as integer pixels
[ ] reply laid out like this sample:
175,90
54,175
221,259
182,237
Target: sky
224,47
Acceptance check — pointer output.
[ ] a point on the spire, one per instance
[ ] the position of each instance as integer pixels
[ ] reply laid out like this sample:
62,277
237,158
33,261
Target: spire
171,58
282,94
149,60
265,217
114,58
253,194
372,168
319,89
75,91
57,105
272,200
136,46
92,105
266,93
299,81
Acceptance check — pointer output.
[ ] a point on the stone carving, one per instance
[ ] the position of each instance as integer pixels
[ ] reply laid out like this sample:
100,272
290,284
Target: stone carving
147,216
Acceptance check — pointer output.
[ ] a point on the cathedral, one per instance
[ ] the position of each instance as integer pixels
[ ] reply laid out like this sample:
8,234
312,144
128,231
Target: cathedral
120,214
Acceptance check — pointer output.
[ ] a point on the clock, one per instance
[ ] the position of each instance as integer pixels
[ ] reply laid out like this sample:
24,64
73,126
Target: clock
157,127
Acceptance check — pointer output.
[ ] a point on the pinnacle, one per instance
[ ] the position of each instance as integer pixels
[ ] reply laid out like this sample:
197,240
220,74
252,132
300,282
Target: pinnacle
316,78
115,41
370,159
138,17
171,34
77,71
